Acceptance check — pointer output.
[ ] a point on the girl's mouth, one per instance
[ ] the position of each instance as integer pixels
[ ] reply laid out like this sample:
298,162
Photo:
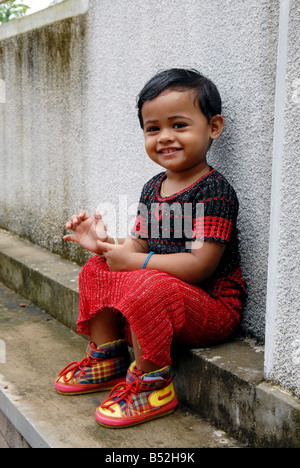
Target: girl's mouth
169,151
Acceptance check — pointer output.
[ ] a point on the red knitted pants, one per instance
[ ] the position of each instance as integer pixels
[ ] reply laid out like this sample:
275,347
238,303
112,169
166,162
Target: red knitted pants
158,307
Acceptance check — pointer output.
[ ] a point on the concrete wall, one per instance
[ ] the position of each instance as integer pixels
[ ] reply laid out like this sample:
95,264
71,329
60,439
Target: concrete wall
70,138
282,361
43,126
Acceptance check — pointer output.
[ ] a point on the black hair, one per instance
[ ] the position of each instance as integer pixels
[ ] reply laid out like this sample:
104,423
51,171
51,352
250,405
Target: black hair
181,79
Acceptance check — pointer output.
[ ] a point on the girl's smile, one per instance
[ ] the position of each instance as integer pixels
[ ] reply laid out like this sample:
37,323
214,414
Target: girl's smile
169,151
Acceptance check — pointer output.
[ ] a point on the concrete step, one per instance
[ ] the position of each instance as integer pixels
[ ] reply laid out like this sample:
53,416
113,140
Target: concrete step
37,347
222,384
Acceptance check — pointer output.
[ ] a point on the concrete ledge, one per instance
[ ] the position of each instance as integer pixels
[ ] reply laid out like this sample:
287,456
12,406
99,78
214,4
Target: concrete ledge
33,414
224,384
59,12
228,388
40,276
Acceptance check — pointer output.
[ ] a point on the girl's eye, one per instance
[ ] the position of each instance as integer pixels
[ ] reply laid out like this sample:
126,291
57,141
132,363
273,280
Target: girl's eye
179,125
152,129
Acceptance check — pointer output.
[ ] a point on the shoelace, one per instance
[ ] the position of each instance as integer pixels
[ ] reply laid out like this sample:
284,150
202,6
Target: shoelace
73,367
123,391
126,393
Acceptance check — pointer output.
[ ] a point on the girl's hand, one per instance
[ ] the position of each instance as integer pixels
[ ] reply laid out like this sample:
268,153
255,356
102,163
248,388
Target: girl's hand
119,257
87,230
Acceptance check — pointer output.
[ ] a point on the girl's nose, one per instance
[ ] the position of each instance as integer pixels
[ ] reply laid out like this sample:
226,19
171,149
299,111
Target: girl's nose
165,136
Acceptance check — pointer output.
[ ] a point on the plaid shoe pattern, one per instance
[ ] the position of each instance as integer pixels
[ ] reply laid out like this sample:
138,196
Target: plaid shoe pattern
98,372
104,363
107,350
141,398
102,368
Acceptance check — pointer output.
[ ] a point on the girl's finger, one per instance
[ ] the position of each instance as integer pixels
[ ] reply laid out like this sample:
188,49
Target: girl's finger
101,230
104,246
101,234
83,215
97,215
68,237
74,219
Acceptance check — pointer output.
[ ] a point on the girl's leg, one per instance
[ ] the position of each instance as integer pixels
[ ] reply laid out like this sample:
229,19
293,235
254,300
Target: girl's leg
106,362
143,365
105,326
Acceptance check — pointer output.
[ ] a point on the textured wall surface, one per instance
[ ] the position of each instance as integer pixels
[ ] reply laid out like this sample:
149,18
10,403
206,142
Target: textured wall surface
283,326
43,130
70,138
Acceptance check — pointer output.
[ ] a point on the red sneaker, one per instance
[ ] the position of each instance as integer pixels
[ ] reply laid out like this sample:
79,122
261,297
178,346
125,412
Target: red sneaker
141,398
101,369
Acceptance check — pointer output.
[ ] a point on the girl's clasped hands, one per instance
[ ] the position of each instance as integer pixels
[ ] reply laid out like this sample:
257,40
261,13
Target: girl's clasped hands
91,234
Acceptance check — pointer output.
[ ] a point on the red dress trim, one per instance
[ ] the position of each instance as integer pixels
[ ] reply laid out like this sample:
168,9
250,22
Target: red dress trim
182,191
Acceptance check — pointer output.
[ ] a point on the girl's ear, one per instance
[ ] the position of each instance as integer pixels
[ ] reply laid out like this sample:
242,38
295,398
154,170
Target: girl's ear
216,126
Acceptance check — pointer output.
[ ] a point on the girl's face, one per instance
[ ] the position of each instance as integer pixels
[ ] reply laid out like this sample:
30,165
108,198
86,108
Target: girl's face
177,134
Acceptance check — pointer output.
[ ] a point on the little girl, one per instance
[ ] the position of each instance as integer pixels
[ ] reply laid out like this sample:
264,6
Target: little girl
177,279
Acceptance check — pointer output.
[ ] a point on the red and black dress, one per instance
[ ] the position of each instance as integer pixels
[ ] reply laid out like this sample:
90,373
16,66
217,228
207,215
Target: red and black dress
160,308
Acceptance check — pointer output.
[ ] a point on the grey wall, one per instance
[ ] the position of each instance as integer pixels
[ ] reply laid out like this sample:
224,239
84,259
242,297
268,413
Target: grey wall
43,127
282,359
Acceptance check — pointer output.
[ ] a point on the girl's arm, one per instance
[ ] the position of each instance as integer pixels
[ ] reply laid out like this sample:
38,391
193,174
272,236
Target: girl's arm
191,267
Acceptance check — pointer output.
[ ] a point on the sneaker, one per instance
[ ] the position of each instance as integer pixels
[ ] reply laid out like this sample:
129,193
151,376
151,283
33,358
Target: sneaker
140,398
102,368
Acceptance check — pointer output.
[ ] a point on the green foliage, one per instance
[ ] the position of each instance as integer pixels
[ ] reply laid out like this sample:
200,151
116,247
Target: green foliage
11,10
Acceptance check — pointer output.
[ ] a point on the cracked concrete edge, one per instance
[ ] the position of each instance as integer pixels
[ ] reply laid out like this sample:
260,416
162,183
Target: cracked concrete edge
11,415
239,399
224,384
